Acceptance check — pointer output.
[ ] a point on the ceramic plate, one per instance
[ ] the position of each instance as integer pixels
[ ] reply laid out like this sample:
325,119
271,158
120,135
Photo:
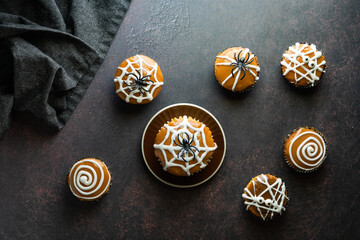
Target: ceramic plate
165,115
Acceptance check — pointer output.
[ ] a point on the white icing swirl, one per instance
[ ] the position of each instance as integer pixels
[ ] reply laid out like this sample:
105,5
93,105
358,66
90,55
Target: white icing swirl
125,80
86,181
277,191
181,130
310,152
236,71
309,64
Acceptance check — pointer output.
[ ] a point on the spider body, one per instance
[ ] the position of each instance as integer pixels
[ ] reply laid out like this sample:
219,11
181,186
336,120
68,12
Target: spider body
139,83
241,63
186,146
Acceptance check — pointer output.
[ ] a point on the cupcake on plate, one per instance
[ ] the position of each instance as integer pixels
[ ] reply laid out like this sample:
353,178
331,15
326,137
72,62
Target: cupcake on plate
89,179
302,65
266,196
184,146
138,80
305,149
237,69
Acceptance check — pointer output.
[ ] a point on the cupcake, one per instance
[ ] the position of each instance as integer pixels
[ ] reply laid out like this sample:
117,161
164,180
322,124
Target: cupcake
89,179
302,65
138,80
305,149
237,69
265,196
184,146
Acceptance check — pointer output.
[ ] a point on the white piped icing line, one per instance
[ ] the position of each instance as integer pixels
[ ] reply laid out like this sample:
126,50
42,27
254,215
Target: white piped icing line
310,150
86,181
129,74
277,191
309,64
237,71
181,130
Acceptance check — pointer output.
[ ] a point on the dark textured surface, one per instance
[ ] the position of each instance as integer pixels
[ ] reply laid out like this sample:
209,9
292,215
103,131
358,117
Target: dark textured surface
184,39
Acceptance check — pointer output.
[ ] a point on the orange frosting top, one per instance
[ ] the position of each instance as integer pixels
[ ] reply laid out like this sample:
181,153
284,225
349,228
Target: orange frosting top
303,65
236,69
184,146
138,80
89,179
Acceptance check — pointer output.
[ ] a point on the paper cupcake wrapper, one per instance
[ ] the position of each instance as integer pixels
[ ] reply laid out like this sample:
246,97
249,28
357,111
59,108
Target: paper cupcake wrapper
307,86
253,216
246,89
90,200
293,167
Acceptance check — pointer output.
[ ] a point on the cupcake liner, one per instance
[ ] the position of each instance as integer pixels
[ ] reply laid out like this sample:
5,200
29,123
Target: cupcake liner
91,200
308,86
293,167
276,216
246,89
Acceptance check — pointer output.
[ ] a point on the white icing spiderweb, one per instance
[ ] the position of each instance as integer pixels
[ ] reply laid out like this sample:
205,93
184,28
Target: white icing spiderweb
237,71
277,191
179,132
309,64
126,80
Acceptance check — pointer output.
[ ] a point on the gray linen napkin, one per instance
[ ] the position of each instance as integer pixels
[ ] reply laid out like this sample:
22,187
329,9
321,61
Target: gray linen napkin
50,51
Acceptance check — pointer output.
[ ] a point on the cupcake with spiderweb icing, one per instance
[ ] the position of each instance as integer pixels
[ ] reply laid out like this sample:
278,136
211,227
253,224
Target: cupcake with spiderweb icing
266,196
138,80
305,149
237,69
184,146
303,65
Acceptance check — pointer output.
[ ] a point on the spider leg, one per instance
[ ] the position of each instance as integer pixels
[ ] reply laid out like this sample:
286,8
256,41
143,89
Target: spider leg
130,74
138,73
179,153
242,67
232,70
238,57
187,136
250,61
148,80
178,137
183,159
247,57
235,56
177,143
192,153
195,148
192,139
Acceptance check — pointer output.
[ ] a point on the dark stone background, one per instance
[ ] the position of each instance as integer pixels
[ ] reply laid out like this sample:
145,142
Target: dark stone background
184,37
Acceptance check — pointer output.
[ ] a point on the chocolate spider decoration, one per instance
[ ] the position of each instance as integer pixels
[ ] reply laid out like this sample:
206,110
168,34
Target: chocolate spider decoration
186,146
241,63
139,82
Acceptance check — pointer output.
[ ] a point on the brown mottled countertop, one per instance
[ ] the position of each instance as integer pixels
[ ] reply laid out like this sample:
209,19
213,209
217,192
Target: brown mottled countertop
184,37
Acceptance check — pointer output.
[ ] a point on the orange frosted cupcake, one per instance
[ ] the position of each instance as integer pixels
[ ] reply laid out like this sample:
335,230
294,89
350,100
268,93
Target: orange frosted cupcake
302,65
89,179
138,80
184,146
305,149
266,196
237,69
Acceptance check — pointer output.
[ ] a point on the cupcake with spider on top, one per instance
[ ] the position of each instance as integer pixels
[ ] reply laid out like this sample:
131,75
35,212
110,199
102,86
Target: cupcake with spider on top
138,80
184,146
237,69
303,65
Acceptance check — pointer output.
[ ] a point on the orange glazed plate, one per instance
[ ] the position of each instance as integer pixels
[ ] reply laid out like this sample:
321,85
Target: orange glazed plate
165,115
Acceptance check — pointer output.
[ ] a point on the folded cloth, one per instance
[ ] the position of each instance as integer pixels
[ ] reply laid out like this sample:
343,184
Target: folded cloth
50,51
